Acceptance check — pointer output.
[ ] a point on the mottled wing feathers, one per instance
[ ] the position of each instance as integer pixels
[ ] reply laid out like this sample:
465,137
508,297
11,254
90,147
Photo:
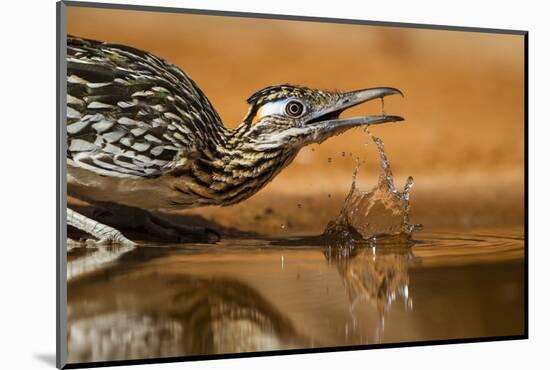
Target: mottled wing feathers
129,113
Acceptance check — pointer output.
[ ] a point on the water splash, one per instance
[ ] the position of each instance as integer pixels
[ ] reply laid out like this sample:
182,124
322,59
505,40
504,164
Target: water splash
376,217
381,211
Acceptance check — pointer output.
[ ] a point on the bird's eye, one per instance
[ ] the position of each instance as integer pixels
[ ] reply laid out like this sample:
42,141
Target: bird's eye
294,109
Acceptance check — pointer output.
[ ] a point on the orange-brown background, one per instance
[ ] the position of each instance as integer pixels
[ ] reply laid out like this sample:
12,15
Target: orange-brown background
463,135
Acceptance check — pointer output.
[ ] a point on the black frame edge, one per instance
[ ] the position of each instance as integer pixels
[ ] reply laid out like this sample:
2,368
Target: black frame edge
526,178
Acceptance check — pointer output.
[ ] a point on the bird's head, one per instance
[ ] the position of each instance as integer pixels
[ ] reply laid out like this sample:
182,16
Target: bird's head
290,117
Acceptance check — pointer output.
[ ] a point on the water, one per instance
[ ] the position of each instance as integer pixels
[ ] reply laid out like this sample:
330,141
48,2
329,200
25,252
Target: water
248,295
370,278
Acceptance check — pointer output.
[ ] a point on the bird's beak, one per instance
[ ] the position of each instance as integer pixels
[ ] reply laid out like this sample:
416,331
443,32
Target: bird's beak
327,122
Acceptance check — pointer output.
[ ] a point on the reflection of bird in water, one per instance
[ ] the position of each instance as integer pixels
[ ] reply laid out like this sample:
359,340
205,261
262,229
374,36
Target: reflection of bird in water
163,315
377,274
140,133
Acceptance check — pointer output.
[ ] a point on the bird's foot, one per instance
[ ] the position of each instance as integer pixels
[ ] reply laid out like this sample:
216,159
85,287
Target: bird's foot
103,234
95,243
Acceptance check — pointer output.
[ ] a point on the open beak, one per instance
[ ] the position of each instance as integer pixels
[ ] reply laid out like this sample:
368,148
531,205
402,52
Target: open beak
328,123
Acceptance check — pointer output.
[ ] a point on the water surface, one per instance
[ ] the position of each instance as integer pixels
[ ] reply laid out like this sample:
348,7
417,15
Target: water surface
293,292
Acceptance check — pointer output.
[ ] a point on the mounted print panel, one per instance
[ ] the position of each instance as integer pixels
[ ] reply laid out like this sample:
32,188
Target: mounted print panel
237,184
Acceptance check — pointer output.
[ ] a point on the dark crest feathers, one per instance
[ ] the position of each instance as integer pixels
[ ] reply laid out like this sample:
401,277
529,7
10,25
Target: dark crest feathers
271,93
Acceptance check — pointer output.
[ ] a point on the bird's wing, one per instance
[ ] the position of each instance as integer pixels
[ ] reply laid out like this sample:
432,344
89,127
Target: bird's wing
129,113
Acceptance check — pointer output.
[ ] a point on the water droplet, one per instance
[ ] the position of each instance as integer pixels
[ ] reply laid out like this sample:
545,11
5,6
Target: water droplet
354,177
408,185
283,226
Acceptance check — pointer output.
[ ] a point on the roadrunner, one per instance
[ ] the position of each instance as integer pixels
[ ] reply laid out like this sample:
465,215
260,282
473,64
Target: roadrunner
141,134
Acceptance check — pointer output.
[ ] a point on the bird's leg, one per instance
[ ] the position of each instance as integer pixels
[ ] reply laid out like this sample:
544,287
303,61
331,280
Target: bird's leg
156,226
103,233
160,226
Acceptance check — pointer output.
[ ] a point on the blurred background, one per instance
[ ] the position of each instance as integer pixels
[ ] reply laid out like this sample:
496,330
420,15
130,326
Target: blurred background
462,140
